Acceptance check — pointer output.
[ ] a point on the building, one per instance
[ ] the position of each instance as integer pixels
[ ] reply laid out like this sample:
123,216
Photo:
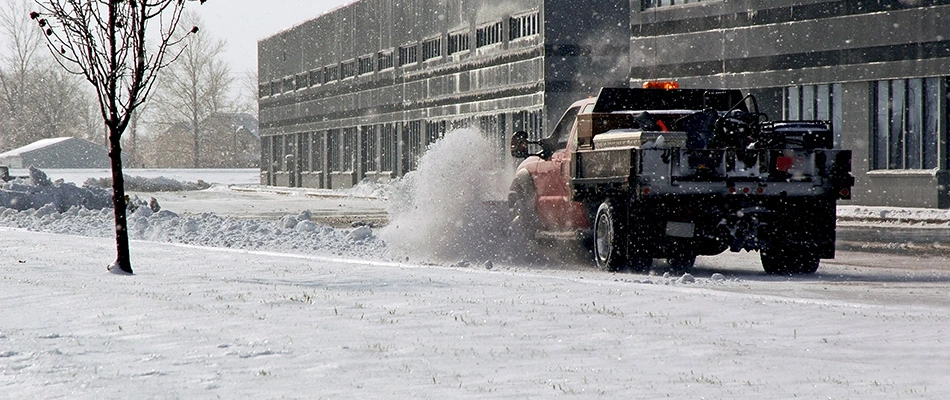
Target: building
225,140
62,152
358,92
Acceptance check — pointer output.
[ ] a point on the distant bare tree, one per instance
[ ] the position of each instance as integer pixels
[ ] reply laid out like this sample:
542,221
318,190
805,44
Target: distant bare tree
193,89
112,44
37,101
248,95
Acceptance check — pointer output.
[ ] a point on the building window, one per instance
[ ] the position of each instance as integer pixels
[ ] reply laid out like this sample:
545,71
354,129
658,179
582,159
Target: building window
432,48
316,76
350,144
666,3
815,102
906,122
388,145
412,147
408,55
366,65
275,87
289,84
316,146
384,60
458,42
487,35
368,148
303,80
348,69
306,155
523,26
263,90
331,73
334,142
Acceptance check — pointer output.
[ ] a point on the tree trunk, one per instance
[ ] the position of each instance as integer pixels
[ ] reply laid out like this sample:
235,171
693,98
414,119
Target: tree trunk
123,258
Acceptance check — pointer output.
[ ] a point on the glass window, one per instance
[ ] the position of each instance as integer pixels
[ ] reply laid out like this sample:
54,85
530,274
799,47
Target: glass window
563,129
432,48
487,35
815,102
906,119
408,55
458,42
384,60
666,3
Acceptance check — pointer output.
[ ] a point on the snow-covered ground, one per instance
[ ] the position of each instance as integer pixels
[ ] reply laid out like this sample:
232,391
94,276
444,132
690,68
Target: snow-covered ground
200,322
244,291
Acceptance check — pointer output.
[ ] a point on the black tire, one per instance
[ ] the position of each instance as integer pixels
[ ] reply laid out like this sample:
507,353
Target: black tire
789,261
640,264
681,264
610,237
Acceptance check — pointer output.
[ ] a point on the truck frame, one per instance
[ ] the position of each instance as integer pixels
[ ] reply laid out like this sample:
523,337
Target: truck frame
676,173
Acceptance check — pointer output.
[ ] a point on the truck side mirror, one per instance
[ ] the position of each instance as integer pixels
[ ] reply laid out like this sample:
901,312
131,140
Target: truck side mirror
519,144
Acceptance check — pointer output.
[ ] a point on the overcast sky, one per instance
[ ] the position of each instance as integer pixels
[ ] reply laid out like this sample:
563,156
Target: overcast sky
243,22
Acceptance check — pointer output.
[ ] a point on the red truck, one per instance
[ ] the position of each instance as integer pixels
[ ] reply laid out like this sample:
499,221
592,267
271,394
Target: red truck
675,173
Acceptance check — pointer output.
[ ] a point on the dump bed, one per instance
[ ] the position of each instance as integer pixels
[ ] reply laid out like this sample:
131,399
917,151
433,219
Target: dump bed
640,171
648,142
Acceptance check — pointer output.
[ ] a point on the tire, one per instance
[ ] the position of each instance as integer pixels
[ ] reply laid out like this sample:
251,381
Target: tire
640,264
610,237
681,264
789,261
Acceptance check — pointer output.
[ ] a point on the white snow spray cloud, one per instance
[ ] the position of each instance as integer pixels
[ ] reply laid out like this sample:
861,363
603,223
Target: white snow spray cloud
449,209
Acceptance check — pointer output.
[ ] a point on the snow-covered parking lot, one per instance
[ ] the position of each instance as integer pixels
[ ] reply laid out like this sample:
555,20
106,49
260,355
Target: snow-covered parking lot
200,322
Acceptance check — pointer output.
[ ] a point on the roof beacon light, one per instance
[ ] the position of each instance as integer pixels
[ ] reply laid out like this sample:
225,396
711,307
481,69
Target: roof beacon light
661,85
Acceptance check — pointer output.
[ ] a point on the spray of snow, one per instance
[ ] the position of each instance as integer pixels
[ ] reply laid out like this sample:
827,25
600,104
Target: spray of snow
448,208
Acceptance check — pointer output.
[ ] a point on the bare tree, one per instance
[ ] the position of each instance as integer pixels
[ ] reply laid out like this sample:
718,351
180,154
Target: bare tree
16,83
194,88
36,100
105,41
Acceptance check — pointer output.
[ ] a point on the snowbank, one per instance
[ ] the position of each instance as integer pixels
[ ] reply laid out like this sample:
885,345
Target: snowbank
38,192
142,184
39,205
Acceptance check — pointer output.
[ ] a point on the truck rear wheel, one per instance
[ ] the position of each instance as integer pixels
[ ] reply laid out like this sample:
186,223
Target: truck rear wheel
789,261
610,237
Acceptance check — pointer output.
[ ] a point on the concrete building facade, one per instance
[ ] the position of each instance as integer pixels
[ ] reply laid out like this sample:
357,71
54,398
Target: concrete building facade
357,93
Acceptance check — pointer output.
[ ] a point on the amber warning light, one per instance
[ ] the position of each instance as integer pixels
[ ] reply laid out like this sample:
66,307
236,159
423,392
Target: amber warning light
661,85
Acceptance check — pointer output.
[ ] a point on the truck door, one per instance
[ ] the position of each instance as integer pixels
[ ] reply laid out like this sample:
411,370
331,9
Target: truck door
555,208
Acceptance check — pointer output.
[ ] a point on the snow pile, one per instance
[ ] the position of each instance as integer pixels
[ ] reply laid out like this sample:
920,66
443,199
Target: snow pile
893,215
142,184
292,233
442,211
40,205
39,192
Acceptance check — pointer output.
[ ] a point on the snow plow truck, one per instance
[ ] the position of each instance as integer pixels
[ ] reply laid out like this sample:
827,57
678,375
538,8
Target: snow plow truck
669,173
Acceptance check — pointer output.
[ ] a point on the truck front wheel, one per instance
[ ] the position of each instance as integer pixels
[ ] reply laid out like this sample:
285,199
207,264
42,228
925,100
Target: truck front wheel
610,237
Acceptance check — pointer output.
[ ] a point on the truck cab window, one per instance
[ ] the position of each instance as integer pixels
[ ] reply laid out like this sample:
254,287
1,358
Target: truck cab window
562,131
